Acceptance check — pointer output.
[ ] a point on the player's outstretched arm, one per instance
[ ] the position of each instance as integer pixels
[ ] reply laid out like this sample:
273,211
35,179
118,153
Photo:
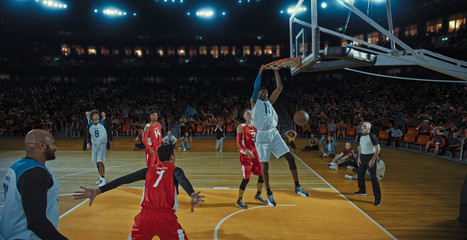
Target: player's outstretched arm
278,90
92,193
256,87
196,199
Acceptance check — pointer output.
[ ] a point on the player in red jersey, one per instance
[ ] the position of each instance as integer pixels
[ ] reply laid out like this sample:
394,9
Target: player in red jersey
248,158
152,139
157,216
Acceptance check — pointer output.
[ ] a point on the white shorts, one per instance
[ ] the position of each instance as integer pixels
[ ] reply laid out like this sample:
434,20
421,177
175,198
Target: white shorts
98,152
270,141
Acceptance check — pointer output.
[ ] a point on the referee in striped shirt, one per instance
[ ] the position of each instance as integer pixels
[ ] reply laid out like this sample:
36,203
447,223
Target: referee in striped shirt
369,150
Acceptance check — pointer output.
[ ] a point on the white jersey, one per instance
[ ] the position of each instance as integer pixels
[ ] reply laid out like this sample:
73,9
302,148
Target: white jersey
98,133
264,116
13,222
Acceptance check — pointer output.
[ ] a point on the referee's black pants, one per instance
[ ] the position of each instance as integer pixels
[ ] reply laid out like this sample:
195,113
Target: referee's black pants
365,161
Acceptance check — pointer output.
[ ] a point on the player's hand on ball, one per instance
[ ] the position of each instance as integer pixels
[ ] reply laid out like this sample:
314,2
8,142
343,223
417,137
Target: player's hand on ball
250,154
196,199
87,193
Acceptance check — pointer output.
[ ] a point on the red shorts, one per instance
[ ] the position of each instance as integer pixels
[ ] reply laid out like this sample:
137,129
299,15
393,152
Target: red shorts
151,160
156,223
250,165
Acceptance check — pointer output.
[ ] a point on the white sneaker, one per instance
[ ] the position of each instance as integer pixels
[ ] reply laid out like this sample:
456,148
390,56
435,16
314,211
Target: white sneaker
351,177
350,167
180,148
98,181
333,167
184,149
102,182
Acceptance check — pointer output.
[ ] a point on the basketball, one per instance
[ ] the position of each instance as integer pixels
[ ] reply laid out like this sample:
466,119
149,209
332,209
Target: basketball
301,118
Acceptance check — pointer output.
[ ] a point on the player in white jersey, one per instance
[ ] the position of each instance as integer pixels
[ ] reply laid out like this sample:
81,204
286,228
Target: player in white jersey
31,192
99,144
268,139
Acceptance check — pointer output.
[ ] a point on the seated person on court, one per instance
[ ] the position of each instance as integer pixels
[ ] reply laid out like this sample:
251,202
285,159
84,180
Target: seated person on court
291,135
312,144
139,141
381,169
185,142
169,139
329,147
346,157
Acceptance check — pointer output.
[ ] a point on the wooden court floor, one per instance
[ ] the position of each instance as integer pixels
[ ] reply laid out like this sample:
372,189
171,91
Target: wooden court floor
420,195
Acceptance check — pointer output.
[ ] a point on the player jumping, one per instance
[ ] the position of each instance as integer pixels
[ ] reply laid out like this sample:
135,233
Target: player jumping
268,138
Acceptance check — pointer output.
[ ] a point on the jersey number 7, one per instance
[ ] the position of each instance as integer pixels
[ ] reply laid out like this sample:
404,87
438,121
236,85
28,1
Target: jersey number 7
160,173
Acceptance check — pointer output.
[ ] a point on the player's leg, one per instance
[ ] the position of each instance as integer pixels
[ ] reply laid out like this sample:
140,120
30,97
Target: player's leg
375,184
168,228
258,170
280,149
100,162
143,228
246,173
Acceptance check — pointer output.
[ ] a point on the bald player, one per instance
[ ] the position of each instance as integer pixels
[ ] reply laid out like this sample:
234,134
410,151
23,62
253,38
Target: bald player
31,192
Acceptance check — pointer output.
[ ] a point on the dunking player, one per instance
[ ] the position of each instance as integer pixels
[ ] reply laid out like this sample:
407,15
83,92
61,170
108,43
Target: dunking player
248,158
268,138
152,139
157,216
99,144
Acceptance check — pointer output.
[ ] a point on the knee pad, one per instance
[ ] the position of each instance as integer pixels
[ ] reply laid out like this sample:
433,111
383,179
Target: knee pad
260,179
291,160
244,183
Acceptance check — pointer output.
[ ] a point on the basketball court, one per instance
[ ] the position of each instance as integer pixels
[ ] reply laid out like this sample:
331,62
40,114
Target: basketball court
331,212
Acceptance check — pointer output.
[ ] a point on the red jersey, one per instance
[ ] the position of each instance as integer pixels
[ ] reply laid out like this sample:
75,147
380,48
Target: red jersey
248,141
155,137
160,191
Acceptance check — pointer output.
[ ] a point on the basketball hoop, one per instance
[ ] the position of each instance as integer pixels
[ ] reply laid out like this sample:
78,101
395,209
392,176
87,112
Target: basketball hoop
284,63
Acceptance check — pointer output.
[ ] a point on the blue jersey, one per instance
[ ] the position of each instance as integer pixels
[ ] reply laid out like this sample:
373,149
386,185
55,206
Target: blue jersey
13,222
98,133
264,115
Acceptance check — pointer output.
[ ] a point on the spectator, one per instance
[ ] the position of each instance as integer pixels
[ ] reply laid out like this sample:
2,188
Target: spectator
169,139
394,133
139,141
332,129
291,135
452,143
438,133
329,147
346,157
186,140
341,129
219,137
312,144
425,128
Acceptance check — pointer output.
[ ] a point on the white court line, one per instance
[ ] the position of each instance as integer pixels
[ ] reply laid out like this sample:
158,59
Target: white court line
377,224
220,223
77,173
75,207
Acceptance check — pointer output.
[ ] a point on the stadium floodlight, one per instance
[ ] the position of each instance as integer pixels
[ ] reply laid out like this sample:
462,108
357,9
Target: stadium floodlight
324,5
205,13
112,12
134,14
95,10
301,10
52,4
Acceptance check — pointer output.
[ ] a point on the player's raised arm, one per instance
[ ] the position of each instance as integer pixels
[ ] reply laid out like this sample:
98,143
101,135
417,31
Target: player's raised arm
256,87
278,89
